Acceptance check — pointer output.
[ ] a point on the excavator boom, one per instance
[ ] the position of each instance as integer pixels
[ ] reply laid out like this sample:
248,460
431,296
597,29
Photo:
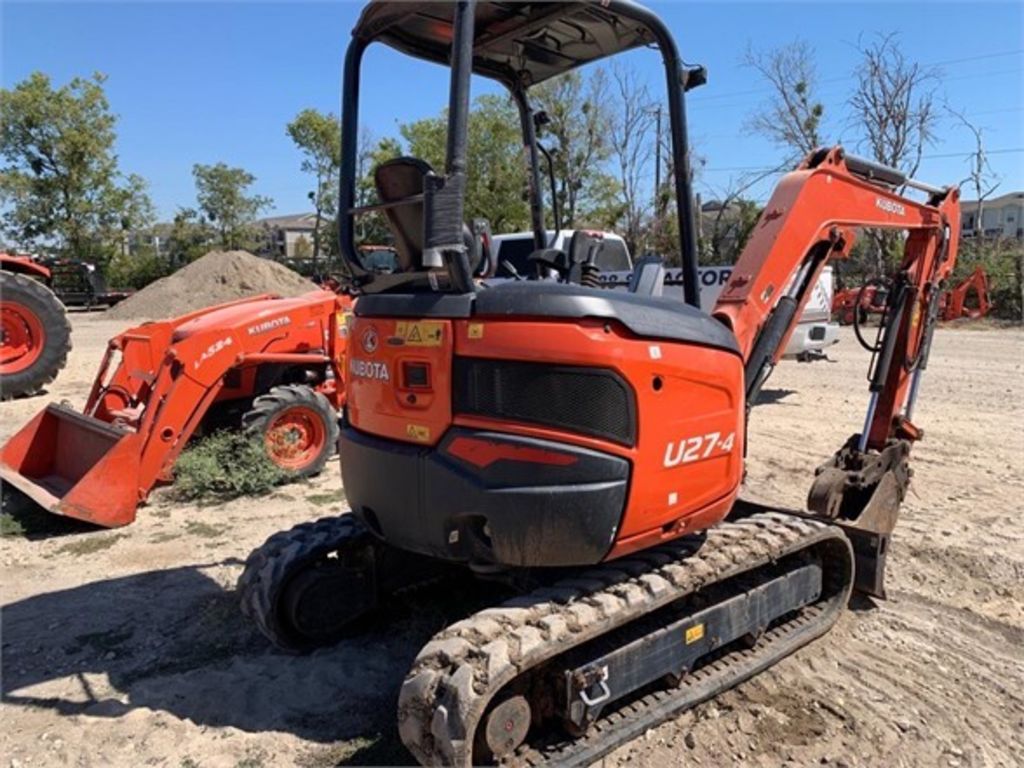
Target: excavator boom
810,219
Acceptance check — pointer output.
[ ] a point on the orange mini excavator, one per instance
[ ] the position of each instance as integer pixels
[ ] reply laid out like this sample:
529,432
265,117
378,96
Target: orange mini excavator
587,446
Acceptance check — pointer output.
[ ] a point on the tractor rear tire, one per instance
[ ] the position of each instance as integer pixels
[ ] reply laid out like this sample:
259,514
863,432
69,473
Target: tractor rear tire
299,428
36,336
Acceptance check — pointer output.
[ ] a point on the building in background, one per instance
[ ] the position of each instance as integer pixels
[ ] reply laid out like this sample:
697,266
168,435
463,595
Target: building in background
289,237
1000,216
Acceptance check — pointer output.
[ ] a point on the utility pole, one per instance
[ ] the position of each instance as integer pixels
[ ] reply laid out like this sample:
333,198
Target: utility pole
657,162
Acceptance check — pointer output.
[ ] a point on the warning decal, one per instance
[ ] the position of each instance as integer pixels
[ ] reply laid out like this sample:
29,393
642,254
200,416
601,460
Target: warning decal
424,333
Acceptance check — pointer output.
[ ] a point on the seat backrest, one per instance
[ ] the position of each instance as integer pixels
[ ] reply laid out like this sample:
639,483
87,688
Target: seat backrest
397,180
648,278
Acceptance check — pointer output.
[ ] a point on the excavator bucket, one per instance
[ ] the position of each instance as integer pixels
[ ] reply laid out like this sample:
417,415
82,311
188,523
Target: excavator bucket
75,465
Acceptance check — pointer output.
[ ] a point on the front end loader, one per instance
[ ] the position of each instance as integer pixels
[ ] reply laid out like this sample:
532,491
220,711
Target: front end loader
267,364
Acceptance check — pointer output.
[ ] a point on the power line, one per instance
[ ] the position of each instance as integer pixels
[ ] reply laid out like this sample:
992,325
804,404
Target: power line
844,78
996,111
973,152
969,76
766,168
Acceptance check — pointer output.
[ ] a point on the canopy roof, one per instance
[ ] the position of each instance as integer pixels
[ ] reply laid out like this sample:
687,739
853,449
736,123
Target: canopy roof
517,43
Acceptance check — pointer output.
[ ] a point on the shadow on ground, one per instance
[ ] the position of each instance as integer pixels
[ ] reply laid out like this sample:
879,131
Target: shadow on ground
175,641
769,396
21,516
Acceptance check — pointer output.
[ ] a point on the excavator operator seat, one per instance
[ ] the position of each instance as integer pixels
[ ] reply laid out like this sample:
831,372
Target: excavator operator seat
399,185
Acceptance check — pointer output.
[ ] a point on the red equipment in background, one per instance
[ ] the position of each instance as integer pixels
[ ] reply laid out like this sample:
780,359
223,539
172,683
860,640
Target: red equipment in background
955,301
852,305
855,304
277,362
36,335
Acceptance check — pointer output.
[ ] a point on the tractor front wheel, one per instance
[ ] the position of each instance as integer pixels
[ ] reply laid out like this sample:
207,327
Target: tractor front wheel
36,335
298,426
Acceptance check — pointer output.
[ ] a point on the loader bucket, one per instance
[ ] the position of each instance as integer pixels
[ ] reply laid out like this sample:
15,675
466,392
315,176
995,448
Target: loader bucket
75,465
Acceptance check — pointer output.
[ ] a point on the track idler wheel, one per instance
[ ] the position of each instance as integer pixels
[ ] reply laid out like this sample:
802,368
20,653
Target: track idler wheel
306,587
505,727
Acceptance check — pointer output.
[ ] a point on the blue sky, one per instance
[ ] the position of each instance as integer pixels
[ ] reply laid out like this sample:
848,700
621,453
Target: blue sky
207,82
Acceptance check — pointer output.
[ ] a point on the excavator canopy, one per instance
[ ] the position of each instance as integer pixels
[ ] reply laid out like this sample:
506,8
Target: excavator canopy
516,43
519,45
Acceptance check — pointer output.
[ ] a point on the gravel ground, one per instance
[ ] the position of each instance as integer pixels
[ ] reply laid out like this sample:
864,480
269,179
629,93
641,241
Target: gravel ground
125,648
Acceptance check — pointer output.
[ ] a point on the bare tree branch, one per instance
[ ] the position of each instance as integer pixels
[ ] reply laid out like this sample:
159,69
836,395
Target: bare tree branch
982,178
893,104
791,118
632,148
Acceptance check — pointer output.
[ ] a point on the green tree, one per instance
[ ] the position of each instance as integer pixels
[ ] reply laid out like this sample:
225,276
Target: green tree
372,228
318,137
60,183
578,133
727,230
189,237
136,269
223,196
134,207
496,177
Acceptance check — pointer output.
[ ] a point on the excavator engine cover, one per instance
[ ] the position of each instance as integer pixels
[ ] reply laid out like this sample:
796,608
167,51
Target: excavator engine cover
540,424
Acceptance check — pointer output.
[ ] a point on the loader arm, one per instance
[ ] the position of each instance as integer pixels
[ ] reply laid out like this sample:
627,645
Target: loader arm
955,301
809,221
189,359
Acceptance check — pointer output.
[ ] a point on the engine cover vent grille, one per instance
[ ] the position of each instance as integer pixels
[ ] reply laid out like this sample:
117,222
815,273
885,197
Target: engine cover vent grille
591,401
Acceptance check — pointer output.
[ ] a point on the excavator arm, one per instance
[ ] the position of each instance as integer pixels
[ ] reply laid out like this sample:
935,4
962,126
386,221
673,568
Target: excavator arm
810,220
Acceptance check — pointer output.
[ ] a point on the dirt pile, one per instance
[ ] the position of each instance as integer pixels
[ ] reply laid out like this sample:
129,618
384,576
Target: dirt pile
217,277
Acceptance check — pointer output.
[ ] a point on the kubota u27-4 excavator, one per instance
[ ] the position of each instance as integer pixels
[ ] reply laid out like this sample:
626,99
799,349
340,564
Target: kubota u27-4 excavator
587,442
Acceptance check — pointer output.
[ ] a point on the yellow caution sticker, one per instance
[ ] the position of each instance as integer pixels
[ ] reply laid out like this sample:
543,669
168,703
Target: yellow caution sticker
694,633
475,331
418,433
423,333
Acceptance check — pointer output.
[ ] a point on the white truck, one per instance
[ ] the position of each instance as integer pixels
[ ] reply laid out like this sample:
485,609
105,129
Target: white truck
812,336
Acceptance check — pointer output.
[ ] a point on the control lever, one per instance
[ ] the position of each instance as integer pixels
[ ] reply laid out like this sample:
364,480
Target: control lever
511,269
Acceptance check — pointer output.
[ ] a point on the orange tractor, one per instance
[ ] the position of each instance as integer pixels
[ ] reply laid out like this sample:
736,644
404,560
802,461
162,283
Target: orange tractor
853,305
36,335
586,447
266,364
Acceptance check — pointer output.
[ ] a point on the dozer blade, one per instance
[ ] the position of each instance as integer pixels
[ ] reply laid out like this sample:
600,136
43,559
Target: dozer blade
76,466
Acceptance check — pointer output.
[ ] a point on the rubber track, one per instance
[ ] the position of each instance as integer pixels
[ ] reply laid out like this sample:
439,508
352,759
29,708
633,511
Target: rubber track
268,567
456,675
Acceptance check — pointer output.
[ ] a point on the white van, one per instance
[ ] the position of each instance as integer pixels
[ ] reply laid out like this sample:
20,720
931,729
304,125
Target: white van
812,335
